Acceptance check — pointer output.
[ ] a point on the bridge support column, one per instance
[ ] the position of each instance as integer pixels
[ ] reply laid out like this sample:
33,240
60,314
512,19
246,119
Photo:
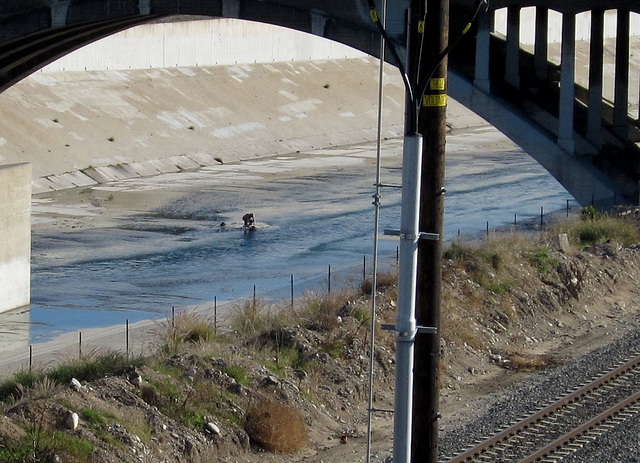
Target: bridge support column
567,83
59,13
596,58
541,50
15,241
318,22
231,8
144,7
512,72
482,79
621,98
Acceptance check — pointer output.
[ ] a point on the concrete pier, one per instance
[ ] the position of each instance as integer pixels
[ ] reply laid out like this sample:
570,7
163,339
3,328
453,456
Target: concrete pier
15,240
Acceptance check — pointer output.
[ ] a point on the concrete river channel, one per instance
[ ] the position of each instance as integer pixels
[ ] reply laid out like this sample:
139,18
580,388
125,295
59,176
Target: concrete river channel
134,249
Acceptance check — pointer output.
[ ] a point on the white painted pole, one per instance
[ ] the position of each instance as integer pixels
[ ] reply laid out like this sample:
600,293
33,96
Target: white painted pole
405,319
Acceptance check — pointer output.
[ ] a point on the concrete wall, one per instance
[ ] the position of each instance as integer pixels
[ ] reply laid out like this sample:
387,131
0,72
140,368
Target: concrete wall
15,240
215,42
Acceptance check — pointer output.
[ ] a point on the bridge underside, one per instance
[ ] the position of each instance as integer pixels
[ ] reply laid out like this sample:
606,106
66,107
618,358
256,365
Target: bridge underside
34,33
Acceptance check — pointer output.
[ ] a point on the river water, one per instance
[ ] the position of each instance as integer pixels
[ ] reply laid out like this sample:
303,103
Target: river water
314,212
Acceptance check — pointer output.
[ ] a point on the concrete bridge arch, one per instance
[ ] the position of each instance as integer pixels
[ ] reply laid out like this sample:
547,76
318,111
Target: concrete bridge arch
37,32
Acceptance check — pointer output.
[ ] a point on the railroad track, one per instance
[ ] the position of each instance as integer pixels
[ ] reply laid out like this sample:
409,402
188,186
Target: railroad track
565,426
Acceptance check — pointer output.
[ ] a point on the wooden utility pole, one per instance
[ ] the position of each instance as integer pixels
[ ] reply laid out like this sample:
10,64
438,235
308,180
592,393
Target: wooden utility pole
432,125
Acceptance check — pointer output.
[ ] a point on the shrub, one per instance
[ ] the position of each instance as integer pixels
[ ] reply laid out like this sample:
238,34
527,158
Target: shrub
457,251
184,328
15,386
600,229
275,426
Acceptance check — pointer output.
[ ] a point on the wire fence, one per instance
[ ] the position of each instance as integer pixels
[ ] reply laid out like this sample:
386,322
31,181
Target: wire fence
134,338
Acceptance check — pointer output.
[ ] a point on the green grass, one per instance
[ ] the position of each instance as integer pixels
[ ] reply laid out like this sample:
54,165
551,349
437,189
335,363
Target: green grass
239,373
42,445
93,366
595,227
540,259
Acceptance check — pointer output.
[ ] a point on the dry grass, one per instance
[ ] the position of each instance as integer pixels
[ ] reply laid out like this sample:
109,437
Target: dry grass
384,282
186,328
252,316
525,362
276,427
320,311
593,227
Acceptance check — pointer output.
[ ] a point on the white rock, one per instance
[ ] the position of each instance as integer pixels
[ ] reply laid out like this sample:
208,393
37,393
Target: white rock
75,384
212,428
72,420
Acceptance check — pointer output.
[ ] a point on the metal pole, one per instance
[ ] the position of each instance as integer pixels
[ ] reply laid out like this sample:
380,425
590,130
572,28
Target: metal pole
127,337
329,280
405,319
376,227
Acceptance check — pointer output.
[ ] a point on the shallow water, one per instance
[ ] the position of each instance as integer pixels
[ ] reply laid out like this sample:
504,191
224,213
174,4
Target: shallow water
317,214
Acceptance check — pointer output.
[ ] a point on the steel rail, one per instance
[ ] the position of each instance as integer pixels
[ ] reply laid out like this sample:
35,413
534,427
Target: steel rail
483,447
602,418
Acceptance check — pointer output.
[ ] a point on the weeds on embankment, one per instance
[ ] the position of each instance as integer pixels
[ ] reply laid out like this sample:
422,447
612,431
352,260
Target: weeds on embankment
201,372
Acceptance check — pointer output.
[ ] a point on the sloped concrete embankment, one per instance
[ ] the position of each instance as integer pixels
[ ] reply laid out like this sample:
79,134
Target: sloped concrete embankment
182,94
83,128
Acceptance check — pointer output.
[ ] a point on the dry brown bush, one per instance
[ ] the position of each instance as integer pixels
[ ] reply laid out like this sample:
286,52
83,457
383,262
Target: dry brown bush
275,426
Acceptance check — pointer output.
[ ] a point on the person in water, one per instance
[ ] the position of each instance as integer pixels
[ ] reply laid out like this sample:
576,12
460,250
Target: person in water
249,222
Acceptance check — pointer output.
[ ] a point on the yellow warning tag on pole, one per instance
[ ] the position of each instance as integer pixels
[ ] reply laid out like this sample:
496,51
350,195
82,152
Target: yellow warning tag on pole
374,15
421,27
434,101
437,83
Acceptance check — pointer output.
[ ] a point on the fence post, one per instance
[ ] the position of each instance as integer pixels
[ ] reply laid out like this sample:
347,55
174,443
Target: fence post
329,280
541,217
364,266
30,357
127,337
79,343
292,290
215,316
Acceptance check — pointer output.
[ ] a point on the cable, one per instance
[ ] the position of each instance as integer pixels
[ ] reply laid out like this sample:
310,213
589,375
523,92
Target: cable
423,84
414,96
392,49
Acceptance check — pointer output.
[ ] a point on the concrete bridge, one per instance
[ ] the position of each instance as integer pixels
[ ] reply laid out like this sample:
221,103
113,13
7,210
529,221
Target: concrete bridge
589,129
